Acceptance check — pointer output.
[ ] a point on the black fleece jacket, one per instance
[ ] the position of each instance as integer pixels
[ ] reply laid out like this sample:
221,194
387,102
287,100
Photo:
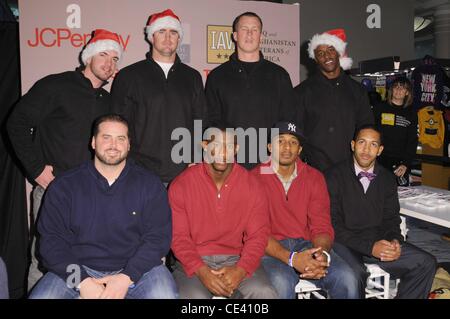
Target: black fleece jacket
257,99
155,106
329,112
51,124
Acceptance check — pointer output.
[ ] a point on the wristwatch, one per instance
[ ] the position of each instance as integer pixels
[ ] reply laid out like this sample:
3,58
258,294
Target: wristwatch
326,254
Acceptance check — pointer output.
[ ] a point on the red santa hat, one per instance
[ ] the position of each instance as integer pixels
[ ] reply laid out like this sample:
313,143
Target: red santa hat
102,40
163,20
335,38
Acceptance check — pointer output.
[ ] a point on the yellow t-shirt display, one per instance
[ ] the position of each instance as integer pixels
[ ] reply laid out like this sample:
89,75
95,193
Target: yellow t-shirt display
431,127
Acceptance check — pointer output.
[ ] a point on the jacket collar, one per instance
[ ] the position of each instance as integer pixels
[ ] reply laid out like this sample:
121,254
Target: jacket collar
149,57
238,63
229,179
351,166
267,167
322,78
79,73
102,180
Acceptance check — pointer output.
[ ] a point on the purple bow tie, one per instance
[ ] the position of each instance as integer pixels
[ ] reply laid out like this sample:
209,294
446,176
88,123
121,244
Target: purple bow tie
370,176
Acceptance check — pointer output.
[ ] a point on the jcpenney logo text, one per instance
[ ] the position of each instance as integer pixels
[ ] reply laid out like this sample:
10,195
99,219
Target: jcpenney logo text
57,37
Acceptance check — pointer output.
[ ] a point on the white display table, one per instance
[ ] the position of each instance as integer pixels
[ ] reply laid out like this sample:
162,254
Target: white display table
426,203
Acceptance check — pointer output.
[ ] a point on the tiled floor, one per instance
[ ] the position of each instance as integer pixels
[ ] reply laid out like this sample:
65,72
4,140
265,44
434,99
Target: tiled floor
428,237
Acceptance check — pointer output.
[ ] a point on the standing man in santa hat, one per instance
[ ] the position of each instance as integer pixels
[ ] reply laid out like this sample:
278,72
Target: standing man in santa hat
50,127
158,95
331,104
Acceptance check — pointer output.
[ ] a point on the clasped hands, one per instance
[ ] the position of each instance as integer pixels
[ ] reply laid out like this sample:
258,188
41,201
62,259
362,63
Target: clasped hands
223,281
108,287
387,250
311,263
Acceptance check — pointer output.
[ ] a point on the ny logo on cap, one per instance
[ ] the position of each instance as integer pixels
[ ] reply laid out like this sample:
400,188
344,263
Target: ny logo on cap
291,127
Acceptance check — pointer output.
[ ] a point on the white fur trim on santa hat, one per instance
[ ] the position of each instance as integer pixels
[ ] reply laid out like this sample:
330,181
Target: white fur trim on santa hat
328,39
164,23
346,62
100,46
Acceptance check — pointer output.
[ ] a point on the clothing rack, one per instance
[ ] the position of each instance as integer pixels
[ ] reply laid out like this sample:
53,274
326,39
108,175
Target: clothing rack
391,65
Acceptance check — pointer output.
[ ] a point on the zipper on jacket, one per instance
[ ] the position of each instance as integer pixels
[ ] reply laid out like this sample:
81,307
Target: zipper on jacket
170,72
246,77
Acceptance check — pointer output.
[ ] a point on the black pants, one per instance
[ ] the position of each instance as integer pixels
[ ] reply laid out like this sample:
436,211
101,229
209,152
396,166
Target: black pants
415,268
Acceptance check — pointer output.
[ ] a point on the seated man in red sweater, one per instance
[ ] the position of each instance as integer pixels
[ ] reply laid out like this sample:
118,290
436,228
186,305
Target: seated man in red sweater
220,226
301,232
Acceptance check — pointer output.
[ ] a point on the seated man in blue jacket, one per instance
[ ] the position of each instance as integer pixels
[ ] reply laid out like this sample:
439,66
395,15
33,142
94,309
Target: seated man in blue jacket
105,226
365,216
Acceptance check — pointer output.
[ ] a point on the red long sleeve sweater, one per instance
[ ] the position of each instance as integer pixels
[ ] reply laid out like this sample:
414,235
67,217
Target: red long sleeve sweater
305,211
232,221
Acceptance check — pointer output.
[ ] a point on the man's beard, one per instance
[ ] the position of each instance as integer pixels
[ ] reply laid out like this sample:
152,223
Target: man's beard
110,161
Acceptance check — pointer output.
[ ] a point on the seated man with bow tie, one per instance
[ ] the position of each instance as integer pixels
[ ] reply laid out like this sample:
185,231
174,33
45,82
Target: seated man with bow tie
365,216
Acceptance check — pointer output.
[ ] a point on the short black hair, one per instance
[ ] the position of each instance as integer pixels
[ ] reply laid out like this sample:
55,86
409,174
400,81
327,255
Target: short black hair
219,125
368,127
246,14
112,117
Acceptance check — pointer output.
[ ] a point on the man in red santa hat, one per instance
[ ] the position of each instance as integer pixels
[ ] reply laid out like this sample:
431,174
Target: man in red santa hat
158,95
331,105
59,111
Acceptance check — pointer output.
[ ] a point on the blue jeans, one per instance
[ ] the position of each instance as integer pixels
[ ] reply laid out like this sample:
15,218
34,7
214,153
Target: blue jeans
157,283
340,282
256,286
